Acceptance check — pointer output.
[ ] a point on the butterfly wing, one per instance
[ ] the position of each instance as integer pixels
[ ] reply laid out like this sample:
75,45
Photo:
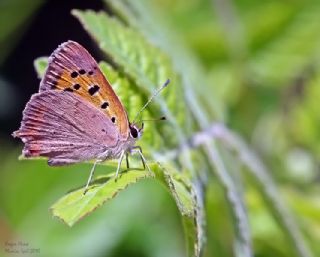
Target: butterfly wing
63,127
71,68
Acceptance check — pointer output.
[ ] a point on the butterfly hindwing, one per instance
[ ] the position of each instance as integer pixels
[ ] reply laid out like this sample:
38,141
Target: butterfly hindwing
72,69
54,126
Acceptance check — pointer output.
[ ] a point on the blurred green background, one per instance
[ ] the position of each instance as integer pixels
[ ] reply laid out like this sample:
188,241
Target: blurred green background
261,60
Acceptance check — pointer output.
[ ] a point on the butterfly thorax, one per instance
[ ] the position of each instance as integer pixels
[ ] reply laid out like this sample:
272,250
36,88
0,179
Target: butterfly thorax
125,144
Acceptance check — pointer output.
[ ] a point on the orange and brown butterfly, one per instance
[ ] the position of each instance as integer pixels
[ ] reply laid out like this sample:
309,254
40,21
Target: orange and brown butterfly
76,116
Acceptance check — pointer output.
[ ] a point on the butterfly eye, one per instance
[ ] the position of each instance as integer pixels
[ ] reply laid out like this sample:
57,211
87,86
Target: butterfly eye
133,132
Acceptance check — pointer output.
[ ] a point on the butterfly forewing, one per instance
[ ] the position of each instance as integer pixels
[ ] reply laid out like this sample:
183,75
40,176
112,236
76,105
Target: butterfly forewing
72,69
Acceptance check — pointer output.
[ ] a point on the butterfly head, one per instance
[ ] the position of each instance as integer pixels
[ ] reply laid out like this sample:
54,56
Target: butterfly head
135,130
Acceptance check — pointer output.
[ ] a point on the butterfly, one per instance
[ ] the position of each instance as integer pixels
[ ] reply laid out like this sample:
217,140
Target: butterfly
76,116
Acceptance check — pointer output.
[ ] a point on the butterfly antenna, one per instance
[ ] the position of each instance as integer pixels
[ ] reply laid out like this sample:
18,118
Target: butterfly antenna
151,99
157,119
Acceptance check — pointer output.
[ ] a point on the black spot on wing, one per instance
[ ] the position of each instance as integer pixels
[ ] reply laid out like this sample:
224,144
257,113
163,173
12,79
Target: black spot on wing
94,89
104,105
113,119
76,86
74,74
82,71
68,89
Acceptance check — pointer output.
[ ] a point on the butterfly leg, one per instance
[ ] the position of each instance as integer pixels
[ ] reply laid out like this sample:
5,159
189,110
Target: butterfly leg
90,176
127,160
119,164
143,160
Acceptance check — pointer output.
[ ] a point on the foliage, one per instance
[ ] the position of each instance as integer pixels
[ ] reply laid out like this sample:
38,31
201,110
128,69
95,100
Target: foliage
259,75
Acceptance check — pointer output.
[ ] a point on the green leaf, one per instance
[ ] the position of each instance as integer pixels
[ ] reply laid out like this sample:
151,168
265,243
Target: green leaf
40,64
181,190
75,205
185,199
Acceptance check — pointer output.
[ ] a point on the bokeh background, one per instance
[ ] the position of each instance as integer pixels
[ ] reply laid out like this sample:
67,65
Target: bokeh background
261,60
